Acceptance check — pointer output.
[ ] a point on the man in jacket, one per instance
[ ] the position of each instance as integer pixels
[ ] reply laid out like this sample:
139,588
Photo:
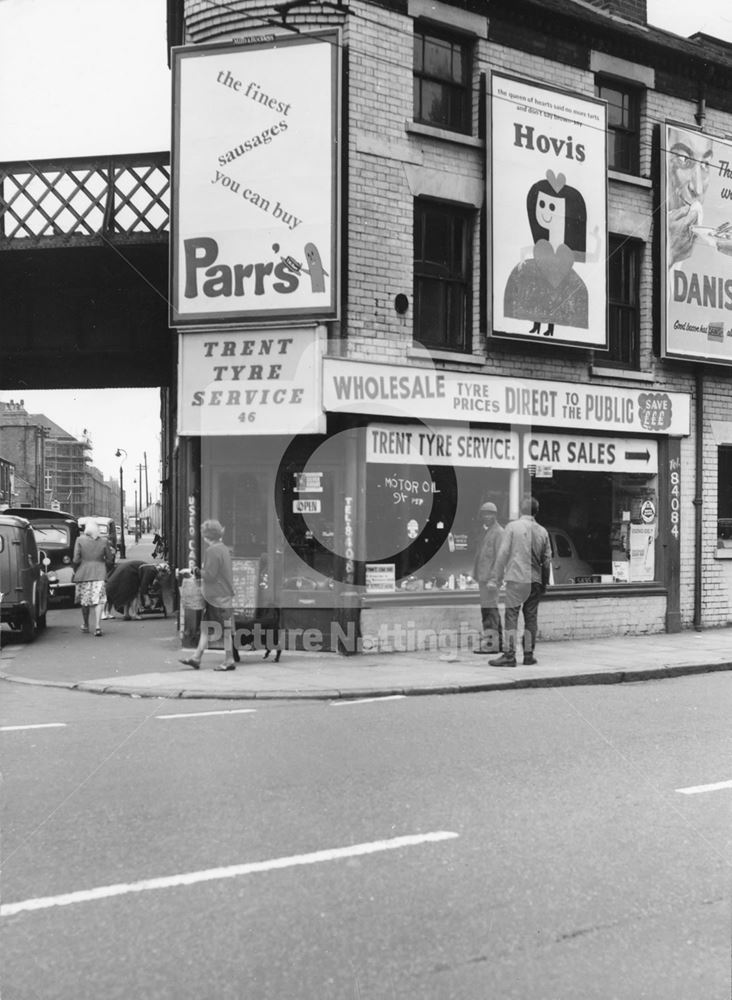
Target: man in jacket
484,571
523,563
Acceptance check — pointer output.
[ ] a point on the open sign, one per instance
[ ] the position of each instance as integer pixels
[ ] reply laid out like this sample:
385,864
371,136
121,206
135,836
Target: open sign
306,506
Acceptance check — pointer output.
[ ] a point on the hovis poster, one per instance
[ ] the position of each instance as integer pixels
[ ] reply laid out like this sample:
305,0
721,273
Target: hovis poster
548,219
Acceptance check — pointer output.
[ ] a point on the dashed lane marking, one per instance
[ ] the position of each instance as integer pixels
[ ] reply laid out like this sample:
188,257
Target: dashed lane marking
233,871
197,715
698,789
364,701
39,725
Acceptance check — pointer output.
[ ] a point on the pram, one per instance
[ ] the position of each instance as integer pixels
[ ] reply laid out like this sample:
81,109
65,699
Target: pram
150,600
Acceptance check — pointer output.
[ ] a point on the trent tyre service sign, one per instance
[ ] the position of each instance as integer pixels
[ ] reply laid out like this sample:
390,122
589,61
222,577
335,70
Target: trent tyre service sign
255,181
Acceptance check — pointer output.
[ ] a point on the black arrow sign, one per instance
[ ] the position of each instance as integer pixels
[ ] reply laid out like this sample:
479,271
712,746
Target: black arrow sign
638,455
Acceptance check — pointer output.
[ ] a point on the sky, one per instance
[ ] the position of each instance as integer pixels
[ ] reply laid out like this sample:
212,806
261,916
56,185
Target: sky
712,17
80,78
89,78
98,411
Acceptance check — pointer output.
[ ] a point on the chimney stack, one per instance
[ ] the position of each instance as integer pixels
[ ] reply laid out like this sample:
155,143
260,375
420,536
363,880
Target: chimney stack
631,10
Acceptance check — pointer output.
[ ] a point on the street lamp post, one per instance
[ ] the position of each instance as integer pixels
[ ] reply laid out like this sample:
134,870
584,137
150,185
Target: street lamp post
137,517
122,547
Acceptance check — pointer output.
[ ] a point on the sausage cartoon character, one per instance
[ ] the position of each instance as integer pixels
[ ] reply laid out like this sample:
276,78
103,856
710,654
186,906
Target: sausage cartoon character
315,268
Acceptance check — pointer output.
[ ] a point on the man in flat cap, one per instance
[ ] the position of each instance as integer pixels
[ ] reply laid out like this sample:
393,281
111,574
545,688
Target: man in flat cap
484,572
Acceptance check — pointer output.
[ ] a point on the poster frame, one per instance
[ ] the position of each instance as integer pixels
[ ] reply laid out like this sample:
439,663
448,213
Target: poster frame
602,345
666,315
178,316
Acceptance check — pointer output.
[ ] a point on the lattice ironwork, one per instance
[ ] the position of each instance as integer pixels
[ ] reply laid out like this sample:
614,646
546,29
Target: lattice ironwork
83,202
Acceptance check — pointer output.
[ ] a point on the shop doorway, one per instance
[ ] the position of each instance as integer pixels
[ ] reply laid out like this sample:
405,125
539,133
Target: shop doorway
284,518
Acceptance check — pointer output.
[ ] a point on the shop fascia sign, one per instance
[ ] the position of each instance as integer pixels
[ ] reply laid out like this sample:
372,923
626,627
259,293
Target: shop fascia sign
428,395
433,444
255,188
250,382
566,452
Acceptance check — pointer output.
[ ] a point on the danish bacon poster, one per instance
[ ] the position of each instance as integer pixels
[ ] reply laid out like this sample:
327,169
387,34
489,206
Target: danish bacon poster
548,192
696,245
254,219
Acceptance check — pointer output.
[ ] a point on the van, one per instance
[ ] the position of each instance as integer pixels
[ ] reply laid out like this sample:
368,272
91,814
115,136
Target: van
56,532
107,529
23,580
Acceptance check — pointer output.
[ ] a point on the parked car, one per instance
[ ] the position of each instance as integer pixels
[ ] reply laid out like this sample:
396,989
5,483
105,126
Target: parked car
567,567
107,528
23,580
56,532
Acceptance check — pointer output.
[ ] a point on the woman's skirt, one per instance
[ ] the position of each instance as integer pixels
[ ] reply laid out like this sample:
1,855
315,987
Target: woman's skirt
91,592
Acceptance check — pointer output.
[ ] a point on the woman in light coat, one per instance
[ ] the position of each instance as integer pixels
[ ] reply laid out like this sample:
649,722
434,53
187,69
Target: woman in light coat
92,555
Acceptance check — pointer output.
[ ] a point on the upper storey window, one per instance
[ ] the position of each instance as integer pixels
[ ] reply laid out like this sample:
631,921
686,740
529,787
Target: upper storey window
623,125
442,268
442,74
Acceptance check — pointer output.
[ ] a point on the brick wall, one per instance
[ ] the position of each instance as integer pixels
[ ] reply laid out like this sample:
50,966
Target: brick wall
378,227
459,626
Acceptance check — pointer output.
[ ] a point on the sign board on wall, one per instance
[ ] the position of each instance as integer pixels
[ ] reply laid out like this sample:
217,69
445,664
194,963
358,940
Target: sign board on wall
426,394
696,239
243,383
380,578
591,454
254,215
441,445
245,574
548,191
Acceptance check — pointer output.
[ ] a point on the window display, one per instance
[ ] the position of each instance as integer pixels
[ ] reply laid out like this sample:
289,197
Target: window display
602,526
405,501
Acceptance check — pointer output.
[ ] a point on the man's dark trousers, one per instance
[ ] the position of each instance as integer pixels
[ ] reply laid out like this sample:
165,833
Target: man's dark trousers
517,600
492,640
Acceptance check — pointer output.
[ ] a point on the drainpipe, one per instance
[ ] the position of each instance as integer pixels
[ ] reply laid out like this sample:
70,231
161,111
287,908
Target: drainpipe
701,104
698,508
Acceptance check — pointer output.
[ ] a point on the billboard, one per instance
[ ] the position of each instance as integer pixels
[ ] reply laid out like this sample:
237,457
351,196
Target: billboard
548,197
254,216
696,245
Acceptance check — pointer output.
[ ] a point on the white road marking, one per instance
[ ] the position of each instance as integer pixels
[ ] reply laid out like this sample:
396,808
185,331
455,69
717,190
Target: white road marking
697,789
196,715
364,701
212,874
39,725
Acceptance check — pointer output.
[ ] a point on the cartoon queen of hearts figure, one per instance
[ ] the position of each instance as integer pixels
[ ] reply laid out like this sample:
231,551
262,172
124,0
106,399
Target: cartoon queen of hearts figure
544,287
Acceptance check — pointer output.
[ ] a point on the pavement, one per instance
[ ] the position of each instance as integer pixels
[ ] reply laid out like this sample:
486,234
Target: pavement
142,658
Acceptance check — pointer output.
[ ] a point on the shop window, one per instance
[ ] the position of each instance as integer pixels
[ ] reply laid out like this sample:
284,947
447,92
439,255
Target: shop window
602,526
406,502
313,513
623,124
442,265
243,512
724,498
623,303
442,72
